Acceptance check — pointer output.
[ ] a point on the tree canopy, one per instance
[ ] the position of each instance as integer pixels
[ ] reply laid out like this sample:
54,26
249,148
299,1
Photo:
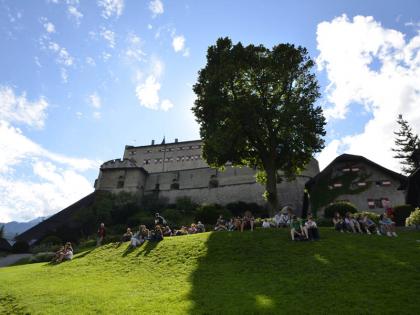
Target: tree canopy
255,107
407,146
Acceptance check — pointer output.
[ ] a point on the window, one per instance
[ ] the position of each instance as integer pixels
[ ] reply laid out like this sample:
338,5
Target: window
361,184
377,203
347,169
120,183
386,183
355,169
338,185
371,203
157,186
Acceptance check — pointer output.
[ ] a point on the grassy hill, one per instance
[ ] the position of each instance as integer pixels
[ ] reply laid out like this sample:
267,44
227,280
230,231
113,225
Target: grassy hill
226,273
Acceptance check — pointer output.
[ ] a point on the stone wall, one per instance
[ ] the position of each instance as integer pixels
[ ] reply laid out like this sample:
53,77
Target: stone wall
116,180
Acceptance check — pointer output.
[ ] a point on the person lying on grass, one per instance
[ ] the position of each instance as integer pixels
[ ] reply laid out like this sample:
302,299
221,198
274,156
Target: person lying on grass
387,225
338,222
247,221
351,223
157,234
311,228
182,231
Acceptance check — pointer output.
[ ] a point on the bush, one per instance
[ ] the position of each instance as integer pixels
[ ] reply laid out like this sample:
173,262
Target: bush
42,257
185,205
238,208
172,216
20,247
42,248
402,212
414,218
324,222
208,214
340,207
51,240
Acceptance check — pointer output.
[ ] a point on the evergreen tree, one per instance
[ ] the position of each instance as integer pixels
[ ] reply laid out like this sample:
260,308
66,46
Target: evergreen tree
407,144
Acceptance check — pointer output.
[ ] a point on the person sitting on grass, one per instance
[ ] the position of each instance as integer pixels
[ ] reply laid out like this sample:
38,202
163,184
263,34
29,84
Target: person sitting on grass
266,224
157,234
369,225
182,231
247,221
338,222
296,229
127,236
137,239
220,224
351,223
387,225
59,253
192,229
167,231
65,254
159,220
200,227
312,231
281,219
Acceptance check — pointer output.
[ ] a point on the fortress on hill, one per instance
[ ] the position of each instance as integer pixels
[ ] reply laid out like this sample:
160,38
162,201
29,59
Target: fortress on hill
172,170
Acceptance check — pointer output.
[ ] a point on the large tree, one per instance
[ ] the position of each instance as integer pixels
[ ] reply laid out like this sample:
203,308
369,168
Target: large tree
407,146
255,107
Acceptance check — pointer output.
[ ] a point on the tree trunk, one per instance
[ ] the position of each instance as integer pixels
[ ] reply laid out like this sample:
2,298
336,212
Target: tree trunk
271,189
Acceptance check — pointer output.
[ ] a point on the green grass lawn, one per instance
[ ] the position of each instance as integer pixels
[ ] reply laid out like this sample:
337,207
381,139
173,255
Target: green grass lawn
226,273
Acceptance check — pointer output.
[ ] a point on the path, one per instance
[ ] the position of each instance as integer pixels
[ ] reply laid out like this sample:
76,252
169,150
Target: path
11,259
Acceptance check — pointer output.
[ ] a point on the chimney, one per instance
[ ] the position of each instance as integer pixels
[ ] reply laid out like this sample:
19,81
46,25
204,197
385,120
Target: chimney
153,142
176,140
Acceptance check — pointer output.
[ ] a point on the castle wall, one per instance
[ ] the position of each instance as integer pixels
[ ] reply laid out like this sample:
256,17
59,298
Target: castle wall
167,157
117,180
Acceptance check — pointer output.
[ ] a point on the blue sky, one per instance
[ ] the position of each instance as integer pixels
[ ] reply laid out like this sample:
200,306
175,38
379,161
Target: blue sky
81,79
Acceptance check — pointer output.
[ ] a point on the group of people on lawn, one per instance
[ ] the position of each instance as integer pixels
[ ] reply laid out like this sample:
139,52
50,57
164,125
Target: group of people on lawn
160,230
300,229
363,224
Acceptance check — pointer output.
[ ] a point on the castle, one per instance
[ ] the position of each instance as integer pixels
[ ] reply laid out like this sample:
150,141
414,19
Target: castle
172,170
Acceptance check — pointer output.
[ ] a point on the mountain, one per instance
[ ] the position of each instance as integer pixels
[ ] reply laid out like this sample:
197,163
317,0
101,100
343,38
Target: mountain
13,228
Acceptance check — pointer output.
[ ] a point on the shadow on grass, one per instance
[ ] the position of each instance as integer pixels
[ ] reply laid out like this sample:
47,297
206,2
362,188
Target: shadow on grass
265,273
147,247
85,253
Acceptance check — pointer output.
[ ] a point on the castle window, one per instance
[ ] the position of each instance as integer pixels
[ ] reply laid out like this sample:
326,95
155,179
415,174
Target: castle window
347,169
355,169
386,183
157,187
361,184
120,183
175,184
337,185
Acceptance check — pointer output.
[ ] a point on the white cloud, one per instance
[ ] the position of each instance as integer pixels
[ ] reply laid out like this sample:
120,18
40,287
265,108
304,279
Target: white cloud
111,7
148,93
178,43
156,7
166,105
97,115
48,26
106,56
109,36
373,66
95,100
149,26
55,182
37,62
75,14
90,61
18,109
64,75
63,56
134,50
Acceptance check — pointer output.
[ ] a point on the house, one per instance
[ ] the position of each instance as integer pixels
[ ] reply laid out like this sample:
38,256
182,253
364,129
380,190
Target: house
358,180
